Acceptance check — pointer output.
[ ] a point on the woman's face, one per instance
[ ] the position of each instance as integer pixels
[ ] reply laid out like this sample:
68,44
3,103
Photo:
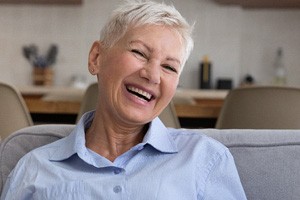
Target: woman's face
138,76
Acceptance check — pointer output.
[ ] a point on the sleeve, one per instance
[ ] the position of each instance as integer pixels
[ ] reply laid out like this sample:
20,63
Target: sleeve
223,181
14,188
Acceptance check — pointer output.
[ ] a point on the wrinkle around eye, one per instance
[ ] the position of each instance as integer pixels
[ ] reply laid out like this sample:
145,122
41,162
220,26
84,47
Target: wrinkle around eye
170,68
139,54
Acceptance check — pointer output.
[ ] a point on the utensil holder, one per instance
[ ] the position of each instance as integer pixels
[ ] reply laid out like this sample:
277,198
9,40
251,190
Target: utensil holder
42,76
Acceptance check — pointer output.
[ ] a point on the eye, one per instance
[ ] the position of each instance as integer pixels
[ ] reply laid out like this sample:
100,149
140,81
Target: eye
139,53
170,68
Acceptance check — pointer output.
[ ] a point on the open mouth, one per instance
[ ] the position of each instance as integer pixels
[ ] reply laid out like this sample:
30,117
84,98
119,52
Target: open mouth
139,93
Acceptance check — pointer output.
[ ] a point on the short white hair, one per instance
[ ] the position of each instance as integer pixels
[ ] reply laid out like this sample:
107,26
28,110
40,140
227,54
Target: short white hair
135,13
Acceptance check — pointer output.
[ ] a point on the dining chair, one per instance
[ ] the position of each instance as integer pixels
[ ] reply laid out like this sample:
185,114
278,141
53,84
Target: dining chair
90,98
265,107
14,113
169,117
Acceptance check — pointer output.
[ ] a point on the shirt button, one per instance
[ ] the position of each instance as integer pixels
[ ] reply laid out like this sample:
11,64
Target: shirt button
117,171
117,189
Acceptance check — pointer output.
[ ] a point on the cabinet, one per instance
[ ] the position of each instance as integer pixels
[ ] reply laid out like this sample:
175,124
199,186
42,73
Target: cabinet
279,4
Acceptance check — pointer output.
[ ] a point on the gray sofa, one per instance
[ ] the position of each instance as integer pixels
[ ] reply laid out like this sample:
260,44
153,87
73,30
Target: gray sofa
268,161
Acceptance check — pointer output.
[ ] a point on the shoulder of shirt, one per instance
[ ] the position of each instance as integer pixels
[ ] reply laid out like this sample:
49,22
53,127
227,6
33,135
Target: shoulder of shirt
46,151
196,137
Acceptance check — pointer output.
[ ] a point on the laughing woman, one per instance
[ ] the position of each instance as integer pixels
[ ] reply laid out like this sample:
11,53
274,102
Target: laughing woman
122,150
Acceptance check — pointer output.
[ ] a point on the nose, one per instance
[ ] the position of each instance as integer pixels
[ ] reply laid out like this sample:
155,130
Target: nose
151,72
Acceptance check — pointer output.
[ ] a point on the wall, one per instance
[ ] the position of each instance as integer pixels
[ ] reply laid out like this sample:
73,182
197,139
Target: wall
262,33
237,41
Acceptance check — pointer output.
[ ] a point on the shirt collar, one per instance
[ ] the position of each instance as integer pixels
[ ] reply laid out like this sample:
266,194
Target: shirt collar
75,142
157,136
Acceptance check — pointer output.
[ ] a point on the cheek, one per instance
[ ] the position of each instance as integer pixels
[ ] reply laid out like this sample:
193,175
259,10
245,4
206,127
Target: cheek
170,87
124,65
112,68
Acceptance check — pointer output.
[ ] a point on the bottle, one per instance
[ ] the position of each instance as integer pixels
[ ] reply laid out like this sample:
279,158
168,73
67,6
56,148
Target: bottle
205,73
280,70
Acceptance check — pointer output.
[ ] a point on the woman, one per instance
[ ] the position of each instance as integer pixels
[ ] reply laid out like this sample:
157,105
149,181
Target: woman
122,150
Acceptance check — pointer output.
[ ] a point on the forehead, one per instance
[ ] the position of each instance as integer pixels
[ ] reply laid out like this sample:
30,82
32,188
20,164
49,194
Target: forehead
157,38
157,32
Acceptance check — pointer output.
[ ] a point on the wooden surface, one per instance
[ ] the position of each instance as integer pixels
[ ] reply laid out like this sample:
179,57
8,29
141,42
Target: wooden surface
198,110
41,1
202,103
52,100
59,100
37,105
290,4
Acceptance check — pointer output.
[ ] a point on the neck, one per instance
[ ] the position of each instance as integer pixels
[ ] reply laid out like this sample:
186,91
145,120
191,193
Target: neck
110,140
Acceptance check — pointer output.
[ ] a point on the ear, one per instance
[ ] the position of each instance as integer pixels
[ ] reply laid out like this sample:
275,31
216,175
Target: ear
94,58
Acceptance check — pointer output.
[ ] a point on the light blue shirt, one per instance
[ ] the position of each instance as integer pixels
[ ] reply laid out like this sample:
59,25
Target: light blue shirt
170,164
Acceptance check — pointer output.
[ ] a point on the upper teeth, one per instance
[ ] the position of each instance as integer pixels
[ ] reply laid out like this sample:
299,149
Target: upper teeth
141,92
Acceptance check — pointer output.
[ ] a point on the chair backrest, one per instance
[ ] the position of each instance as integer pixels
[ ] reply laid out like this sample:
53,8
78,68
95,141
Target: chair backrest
89,101
14,113
261,108
169,117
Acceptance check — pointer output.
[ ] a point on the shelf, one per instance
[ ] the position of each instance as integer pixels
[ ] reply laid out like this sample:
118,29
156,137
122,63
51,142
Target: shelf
278,4
62,2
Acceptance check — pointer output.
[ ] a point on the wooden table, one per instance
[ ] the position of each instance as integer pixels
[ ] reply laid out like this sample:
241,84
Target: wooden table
52,100
206,103
189,103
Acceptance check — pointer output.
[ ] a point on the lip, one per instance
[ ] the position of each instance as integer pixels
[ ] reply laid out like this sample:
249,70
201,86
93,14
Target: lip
152,93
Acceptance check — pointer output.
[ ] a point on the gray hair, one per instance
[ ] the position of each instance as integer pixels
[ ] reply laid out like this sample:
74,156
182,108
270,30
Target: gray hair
139,12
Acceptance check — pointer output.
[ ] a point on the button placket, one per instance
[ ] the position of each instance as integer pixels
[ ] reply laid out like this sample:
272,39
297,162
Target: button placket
118,174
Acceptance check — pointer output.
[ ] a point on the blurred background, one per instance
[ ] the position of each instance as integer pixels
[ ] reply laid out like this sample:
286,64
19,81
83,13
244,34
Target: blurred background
238,40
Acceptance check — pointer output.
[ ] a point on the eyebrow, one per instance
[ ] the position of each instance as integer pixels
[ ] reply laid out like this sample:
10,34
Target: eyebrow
151,50
142,43
174,60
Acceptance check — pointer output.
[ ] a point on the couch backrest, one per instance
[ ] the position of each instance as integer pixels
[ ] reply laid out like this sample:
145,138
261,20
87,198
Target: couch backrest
268,161
19,143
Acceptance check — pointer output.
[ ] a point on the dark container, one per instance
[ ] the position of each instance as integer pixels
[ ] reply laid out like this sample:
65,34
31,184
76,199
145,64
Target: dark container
205,74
